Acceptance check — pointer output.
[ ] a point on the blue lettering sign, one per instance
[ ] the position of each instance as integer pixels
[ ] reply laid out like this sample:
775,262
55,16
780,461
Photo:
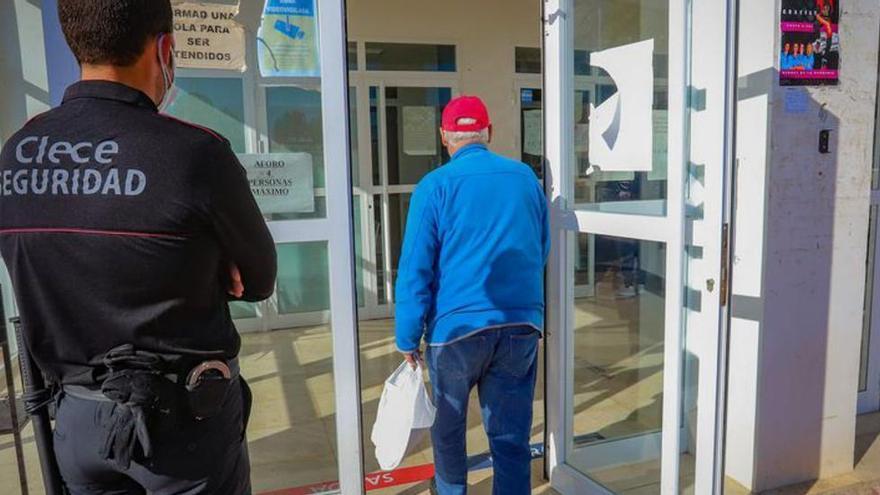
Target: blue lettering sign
290,7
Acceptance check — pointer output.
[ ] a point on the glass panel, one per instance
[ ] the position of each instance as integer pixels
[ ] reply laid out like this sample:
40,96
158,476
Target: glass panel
374,135
617,393
398,209
410,57
379,236
213,102
240,310
532,129
292,431
409,115
582,63
303,286
358,249
528,60
352,55
869,299
295,125
622,187
353,137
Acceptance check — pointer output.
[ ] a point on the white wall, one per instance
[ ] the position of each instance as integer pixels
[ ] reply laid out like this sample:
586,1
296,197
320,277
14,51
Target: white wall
802,222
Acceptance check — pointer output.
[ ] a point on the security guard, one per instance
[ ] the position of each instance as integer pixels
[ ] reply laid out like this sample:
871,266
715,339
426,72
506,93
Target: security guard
126,232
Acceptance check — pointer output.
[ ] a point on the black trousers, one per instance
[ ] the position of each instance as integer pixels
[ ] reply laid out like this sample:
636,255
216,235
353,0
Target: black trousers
190,457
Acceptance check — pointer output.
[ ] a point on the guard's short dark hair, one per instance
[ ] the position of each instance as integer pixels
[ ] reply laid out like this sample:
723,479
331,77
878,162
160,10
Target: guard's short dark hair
112,32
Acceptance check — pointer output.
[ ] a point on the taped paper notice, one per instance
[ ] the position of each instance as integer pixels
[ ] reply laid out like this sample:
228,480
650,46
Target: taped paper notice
533,132
281,182
621,127
206,36
420,131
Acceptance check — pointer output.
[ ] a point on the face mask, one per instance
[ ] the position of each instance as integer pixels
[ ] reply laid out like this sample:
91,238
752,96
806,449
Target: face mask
170,91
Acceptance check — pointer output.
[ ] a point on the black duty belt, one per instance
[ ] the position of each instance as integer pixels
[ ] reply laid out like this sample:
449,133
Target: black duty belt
149,394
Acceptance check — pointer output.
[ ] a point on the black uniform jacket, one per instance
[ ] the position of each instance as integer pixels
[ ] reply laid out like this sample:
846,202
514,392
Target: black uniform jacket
118,224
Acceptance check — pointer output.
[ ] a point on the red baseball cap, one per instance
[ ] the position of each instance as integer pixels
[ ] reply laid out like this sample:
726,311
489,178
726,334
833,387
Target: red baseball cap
465,107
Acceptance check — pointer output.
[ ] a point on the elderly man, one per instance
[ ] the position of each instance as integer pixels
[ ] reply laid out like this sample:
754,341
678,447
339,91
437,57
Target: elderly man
471,282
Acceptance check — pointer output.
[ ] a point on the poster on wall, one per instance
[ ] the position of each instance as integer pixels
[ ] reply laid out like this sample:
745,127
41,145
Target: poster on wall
206,36
287,41
810,43
281,182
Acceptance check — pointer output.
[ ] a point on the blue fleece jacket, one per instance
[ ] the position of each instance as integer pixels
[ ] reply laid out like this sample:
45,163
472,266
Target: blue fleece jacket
477,239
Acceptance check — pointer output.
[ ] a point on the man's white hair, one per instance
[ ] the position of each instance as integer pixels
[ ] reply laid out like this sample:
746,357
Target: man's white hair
470,137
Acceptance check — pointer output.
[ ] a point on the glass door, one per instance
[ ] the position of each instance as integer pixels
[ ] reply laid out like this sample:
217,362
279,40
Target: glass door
637,106
869,363
286,115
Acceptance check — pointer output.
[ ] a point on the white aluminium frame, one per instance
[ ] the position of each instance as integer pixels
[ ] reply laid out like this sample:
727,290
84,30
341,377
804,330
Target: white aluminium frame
701,121
869,398
340,230
567,222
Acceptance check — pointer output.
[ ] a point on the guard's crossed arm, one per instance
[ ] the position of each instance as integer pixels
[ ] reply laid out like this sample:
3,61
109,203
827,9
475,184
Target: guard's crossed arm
240,227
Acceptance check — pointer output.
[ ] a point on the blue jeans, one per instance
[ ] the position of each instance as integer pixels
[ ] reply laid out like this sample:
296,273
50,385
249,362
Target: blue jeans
503,364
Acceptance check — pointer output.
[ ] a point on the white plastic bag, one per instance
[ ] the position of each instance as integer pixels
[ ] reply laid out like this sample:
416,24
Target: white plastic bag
405,415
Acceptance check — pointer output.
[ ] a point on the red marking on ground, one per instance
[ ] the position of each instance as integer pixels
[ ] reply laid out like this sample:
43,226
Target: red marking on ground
372,481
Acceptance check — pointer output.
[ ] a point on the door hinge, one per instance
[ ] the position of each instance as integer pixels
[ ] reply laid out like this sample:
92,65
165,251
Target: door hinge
725,257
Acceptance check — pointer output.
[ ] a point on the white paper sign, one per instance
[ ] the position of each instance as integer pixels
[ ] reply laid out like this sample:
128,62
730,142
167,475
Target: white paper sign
206,36
621,127
281,182
420,131
533,132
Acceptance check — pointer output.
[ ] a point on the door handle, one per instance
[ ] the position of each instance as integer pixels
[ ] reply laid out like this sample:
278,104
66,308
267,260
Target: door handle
725,257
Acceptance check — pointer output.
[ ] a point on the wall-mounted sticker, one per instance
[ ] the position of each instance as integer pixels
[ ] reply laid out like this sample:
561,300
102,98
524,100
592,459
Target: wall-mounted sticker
287,41
206,36
621,127
810,43
281,182
796,100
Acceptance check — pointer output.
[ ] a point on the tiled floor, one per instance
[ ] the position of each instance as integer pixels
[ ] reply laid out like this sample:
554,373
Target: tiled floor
617,395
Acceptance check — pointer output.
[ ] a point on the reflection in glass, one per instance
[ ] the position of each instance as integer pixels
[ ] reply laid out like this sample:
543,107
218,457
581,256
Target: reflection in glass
374,135
379,237
617,391
398,209
352,55
410,57
619,191
871,265
353,137
213,102
303,286
295,124
412,123
532,129
358,250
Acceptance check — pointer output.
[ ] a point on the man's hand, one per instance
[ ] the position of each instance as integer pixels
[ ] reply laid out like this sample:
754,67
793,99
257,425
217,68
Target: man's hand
236,286
413,358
